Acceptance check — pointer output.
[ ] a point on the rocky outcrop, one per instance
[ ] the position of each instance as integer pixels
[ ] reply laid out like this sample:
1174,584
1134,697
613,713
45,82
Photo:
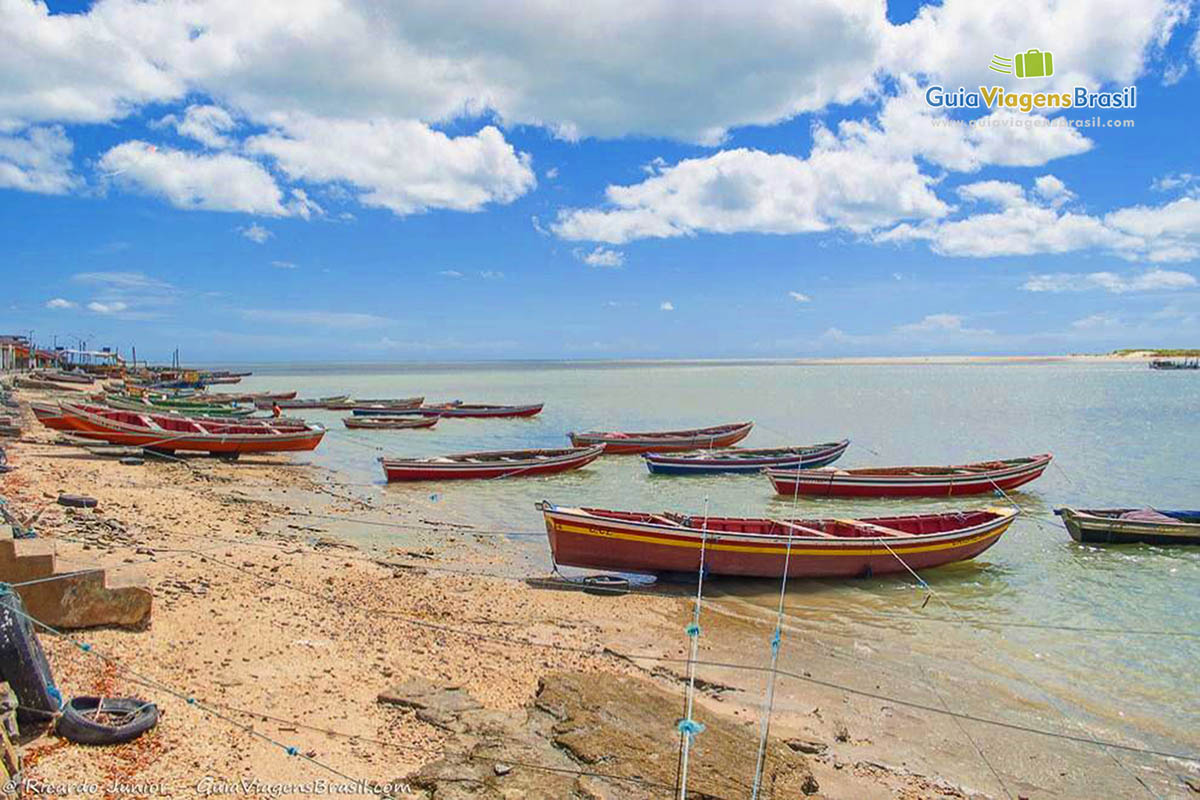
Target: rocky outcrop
590,736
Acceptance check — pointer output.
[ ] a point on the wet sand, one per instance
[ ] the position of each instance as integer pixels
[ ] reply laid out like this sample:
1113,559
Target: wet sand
265,613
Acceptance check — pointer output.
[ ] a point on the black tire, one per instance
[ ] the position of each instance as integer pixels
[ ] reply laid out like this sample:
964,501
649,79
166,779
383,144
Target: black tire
77,724
77,501
23,663
605,584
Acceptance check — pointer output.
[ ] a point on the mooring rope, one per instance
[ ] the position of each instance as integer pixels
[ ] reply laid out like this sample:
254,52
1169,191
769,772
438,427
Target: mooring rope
688,727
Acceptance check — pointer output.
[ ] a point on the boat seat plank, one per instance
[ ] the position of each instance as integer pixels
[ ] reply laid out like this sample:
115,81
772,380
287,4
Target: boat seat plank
870,526
807,531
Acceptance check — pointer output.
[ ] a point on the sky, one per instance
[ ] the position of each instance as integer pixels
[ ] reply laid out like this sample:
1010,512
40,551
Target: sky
321,180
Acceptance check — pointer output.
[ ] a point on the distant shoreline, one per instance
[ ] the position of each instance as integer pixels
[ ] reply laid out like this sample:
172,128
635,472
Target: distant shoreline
281,367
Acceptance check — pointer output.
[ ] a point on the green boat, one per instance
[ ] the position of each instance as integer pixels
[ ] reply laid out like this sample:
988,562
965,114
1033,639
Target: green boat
181,406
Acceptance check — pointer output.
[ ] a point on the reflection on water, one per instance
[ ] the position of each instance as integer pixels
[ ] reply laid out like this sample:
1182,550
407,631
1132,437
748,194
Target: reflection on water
1121,434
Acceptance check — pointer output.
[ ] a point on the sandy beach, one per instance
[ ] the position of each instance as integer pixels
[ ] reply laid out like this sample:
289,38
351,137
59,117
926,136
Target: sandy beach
265,616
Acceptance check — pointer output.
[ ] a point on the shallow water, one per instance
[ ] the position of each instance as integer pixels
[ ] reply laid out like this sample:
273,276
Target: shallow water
1121,434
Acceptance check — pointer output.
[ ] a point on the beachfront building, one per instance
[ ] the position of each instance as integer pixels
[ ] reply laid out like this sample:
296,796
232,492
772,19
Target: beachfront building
17,352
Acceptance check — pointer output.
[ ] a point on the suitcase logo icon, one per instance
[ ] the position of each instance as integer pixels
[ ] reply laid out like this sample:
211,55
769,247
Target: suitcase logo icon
1033,63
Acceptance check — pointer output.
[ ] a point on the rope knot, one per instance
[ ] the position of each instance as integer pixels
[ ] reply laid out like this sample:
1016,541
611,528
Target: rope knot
690,728
693,630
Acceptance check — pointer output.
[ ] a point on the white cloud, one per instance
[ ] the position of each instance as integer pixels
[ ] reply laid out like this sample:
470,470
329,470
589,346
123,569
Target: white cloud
1093,42
600,257
206,124
1173,181
799,297
450,273
403,166
744,190
941,324
59,303
1023,226
129,295
216,182
1052,190
1153,280
107,308
283,265
255,233
666,305
37,160
324,319
491,275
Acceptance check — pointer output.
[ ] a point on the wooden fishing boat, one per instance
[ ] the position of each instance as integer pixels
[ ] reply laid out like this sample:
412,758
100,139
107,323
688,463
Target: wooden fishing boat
665,441
254,397
1125,525
458,410
170,432
630,541
978,478
397,404
735,459
319,402
390,423
22,382
493,464
182,406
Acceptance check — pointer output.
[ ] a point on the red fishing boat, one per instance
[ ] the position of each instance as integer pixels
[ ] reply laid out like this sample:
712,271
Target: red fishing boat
978,478
168,432
492,464
748,547
390,423
665,441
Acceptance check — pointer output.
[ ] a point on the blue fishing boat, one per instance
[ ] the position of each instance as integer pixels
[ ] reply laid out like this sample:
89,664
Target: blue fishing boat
736,459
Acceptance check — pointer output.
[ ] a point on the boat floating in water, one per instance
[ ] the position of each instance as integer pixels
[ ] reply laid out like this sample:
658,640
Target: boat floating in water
385,404
492,464
319,402
170,432
1128,525
978,478
389,423
665,441
630,541
734,459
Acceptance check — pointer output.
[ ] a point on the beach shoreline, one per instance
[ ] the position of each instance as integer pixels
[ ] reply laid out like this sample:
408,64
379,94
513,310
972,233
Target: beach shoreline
263,604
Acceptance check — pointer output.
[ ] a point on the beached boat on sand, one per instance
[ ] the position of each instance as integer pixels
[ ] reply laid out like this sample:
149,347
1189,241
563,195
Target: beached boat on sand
389,423
734,459
1127,525
978,478
169,432
492,464
665,441
819,548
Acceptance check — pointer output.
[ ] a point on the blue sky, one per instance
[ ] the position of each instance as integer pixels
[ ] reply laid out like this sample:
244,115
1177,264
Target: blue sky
326,181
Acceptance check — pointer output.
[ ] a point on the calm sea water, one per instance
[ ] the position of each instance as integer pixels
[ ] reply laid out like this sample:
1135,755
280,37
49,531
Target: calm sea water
1122,435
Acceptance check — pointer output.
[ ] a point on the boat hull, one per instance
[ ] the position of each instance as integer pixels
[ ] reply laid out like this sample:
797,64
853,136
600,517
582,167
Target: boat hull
835,483
580,541
1091,529
232,438
433,471
659,464
389,423
631,444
